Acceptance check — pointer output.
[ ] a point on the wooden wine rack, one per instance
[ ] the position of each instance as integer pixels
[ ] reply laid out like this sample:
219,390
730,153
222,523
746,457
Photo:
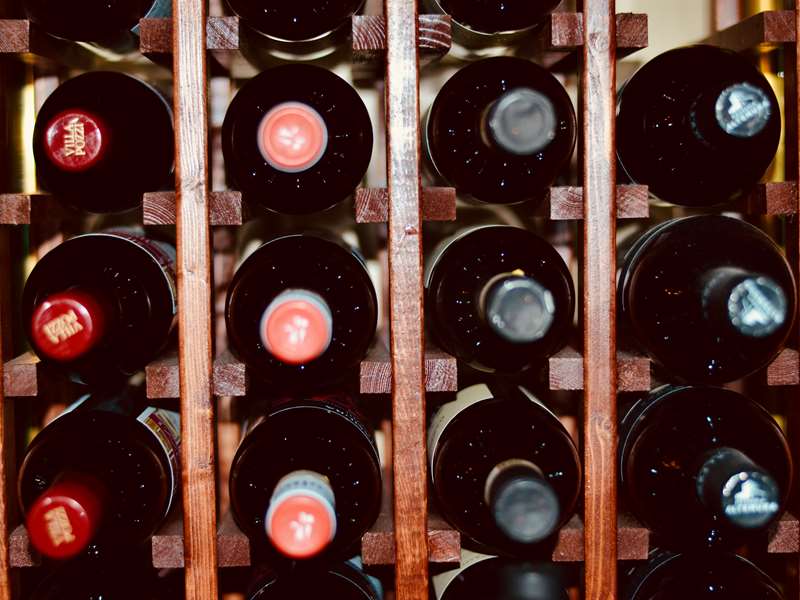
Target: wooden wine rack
405,535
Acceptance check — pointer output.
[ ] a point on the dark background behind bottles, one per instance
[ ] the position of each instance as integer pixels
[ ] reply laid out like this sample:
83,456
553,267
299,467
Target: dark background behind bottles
670,24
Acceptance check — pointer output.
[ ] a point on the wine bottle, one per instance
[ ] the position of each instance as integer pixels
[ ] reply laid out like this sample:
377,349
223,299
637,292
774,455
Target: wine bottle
499,298
297,139
299,30
301,310
491,26
710,298
500,130
102,305
114,25
307,478
699,136
103,474
117,578
102,139
504,470
343,581
703,466
485,576
712,576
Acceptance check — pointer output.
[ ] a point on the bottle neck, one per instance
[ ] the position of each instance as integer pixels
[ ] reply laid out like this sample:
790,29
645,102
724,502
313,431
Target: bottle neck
517,308
731,485
524,505
739,111
754,305
301,518
68,325
63,521
522,122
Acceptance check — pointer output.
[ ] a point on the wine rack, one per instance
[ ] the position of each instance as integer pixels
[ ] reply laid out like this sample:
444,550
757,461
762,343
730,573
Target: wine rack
405,366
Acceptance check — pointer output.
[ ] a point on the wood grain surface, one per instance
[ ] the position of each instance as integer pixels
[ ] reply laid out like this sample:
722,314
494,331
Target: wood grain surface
229,377
566,203
785,369
441,371
158,208
566,371
15,36
369,36
7,463
598,88
194,297
771,27
372,204
633,540
776,198
405,300
21,376
222,33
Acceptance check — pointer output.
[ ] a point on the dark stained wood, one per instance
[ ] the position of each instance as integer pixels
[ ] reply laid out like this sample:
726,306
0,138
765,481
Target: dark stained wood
15,209
598,87
225,207
233,546
15,36
194,297
562,34
229,378
222,33
785,369
772,27
784,536
369,36
405,292
20,551
7,456
372,204
21,376
633,540
566,371
776,198
441,371
566,203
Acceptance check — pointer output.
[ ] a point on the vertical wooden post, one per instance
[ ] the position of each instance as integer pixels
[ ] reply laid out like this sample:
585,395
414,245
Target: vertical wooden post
7,461
598,83
194,296
725,13
405,281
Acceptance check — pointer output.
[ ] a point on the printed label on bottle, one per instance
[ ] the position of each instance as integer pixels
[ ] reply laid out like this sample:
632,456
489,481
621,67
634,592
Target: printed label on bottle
163,253
159,9
464,399
468,558
165,425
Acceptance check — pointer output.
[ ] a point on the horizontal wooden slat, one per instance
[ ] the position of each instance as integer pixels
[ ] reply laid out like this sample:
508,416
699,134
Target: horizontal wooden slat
566,203
230,377
155,37
225,208
15,36
771,27
566,371
21,376
16,209
785,369
633,540
784,537
233,546
564,31
441,371
372,204
777,198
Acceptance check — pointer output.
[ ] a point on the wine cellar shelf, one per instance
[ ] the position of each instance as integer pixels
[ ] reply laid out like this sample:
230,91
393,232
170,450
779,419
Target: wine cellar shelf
406,534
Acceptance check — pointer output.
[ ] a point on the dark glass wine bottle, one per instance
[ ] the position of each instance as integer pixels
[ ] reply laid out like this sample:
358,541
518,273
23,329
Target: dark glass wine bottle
703,466
500,130
307,478
301,311
117,578
481,576
297,139
499,298
504,470
102,305
705,576
113,24
700,136
102,139
307,29
342,581
710,298
103,474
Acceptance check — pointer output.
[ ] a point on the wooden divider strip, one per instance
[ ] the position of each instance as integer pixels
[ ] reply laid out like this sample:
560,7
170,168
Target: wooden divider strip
598,83
405,282
194,296
7,465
